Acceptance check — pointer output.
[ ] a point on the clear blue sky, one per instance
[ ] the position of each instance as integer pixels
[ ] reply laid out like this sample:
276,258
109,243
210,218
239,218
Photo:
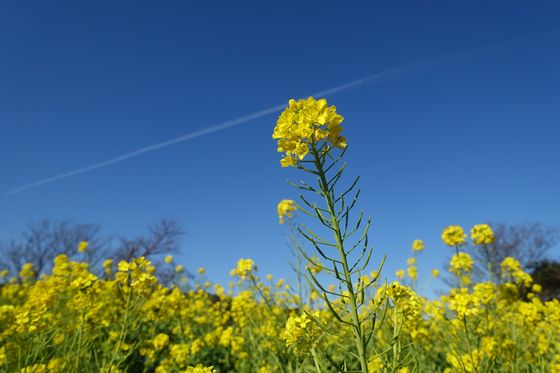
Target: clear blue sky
461,142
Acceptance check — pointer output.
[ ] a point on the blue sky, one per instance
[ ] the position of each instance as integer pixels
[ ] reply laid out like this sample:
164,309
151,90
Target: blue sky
462,141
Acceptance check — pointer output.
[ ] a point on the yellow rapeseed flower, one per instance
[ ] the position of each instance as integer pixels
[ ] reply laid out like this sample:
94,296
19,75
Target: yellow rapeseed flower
301,332
286,207
27,271
412,272
511,267
200,369
417,245
306,122
160,341
403,298
376,364
108,266
244,268
454,236
461,263
168,259
123,266
482,234
82,246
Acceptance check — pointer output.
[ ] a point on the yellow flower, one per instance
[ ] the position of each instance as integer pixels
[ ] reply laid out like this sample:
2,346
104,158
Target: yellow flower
55,365
489,346
304,123
512,268
404,299
454,236
36,368
301,332
482,234
435,272
285,208
376,365
417,245
463,303
160,341
179,268
244,268
27,272
168,259
108,266
465,363
82,246
201,270
461,263
58,339
200,369
400,273
123,266
412,272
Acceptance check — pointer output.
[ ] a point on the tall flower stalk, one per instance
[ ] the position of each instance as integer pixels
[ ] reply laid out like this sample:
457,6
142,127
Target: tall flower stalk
311,127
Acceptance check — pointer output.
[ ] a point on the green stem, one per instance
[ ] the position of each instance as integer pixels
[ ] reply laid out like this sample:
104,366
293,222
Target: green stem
123,328
315,359
358,336
396,340
78,357
474,365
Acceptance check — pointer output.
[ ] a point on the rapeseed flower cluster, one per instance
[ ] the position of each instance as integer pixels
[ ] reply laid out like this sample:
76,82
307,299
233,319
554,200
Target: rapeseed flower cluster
461,263
511,268
454,235
285,208
82,246
417,245
243,269
119,320
305,123
482,234
404,299
301,332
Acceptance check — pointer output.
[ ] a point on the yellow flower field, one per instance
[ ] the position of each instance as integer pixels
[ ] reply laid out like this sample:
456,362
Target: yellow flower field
340,314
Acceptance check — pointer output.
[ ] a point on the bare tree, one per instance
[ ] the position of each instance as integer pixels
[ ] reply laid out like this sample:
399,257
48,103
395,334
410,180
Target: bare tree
42,241
162,238
528,243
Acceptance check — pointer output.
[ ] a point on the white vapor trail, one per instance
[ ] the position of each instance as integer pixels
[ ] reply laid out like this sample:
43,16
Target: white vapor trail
393,73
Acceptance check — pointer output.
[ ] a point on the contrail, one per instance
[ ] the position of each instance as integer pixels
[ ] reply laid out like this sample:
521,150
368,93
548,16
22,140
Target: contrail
384,75
394,73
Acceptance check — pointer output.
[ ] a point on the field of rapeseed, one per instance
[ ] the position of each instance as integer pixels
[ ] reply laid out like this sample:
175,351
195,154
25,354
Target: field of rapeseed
339,316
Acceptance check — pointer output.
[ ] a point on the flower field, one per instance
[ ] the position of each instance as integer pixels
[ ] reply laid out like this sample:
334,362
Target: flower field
339,315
